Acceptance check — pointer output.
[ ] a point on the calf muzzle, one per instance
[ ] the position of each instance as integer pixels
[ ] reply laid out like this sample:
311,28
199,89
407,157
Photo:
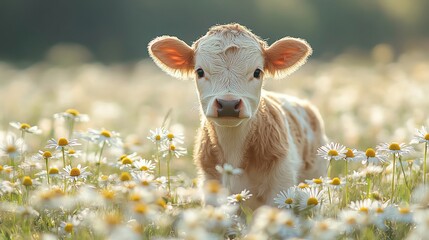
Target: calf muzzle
228,108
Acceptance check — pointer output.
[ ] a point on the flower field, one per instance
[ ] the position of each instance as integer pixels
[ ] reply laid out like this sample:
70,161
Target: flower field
90,151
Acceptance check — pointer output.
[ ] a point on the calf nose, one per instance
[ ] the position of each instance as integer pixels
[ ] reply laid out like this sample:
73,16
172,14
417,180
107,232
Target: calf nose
228,108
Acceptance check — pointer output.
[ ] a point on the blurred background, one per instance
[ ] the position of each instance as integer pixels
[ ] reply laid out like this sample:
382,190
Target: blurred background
369,74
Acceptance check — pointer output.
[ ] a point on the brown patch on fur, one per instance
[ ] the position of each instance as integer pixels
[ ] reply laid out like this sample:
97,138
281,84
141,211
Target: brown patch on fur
207,154
267,144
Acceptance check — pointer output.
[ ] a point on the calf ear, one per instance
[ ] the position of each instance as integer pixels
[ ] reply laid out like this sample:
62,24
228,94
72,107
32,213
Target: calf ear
285,56
173,56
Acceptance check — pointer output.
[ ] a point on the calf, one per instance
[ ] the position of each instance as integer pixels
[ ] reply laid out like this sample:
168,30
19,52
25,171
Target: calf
272,137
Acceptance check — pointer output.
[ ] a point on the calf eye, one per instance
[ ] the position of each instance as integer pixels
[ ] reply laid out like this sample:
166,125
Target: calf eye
200,72
257,73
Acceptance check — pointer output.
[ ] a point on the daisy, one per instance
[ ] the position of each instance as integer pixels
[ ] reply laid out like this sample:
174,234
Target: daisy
336,183
421,218
70,226
53,172
310,198
239,197
174,150
395,148
228,169
44,155
127,161
371,156
325,229
72,114
61,143
26,128
144,179
158,135
286,199
351,220
402,214
315,182
175,138
421,136
144,165
381,213
101,137
353,155
12,146
362,206
76,173
331,151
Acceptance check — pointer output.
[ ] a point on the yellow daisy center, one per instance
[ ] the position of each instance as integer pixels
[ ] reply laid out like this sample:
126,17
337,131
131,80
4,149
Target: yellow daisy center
54,171
323,226
140,208
213,186
303,185
47,154
363,209
336,181
73,112
106,133
26,181
72,151
145,183
317,181
11,149
394,147
160,202
125,176
135,197
104,177
312,201
239,197
68,227
158,137
172,147
144,168
289,201
63,142
426,137
370,152
25,126
126,160
333,153
1,168
289,223
379,210
350,153
108,194
113,219
74,172
404,210
170,136
351,221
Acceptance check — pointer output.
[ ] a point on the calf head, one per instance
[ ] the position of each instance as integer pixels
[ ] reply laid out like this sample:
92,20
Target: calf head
228,65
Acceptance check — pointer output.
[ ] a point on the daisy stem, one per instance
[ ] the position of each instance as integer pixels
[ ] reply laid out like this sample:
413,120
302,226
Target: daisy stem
329,195
403,173
71,128
47,169
99,157
329,168
168,170
368,190
393,177
347,181
64,157
424,163
157,159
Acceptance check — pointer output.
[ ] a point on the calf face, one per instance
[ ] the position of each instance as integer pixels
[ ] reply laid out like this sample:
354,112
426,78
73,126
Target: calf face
229,64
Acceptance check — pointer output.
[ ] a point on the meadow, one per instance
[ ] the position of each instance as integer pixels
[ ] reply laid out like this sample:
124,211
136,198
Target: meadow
95,151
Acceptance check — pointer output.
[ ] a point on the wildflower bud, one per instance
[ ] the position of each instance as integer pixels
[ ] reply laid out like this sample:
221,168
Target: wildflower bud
47,154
